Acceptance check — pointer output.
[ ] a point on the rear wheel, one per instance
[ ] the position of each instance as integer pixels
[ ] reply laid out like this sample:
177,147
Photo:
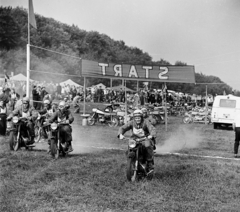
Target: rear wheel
91,121
215,125
13,142
186,119
113,122
131,172
157,118
54,149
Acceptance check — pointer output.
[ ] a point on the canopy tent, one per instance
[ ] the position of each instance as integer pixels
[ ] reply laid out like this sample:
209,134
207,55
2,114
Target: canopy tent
70,82
19,77
119,87
1,79
99,85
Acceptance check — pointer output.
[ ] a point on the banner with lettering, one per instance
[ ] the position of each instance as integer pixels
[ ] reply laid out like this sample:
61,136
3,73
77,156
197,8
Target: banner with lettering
181,74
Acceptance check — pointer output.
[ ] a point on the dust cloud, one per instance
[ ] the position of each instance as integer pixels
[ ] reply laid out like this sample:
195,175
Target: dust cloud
87,140
181,139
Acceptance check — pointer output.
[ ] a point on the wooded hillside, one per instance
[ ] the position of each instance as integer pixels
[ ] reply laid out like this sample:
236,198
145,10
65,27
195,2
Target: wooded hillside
71,40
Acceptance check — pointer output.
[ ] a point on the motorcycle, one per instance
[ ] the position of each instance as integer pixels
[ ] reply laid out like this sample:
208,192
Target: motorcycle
111,107
19,137
57,144
136,162
103,118
157,113
40,128
195,117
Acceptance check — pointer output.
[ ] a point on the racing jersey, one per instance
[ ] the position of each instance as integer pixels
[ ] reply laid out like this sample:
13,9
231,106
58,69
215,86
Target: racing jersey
62,116
20,112
143,129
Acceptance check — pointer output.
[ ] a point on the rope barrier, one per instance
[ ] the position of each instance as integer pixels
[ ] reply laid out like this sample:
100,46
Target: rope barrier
46,72
37,47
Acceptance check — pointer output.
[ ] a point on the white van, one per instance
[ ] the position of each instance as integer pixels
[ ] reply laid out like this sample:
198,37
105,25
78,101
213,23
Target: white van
224,109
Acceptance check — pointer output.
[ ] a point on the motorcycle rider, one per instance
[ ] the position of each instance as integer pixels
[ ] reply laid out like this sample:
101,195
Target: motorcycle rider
147,117
141,128
76,103
63,114
3,116
151,120
26,111
47,109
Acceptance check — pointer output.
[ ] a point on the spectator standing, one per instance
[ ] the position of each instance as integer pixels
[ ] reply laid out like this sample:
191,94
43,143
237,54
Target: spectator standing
59,91
3,97
236,128
35,96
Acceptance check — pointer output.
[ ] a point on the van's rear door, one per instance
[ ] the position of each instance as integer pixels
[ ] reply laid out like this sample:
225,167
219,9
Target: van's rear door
226,110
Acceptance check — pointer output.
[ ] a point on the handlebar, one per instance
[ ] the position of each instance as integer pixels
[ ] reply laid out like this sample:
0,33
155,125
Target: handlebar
138,140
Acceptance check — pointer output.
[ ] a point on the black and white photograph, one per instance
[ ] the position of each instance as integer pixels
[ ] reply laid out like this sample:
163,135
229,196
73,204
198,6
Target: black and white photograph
119,106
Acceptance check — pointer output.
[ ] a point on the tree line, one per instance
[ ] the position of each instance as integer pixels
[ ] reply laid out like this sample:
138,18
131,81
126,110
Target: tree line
72,40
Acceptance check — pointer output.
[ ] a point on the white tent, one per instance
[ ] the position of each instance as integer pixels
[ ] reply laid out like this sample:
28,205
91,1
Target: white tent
19,77
1,79
99,85
70,82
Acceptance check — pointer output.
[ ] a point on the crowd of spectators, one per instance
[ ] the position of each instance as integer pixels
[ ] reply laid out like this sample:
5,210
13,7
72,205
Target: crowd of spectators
39,91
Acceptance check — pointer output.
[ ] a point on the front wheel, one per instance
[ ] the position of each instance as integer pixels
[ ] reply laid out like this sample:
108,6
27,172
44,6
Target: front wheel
113,122
37,134
131,172
91,121
13,142
54,149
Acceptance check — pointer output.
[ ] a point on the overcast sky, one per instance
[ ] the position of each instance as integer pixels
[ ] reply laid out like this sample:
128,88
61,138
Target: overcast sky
203,33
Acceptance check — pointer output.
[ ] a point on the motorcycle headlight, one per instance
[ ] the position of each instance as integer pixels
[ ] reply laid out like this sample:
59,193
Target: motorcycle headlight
94,109
54,126
132,143
15,119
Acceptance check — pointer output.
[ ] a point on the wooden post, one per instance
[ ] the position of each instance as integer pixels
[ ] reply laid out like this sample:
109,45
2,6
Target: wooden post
206,107
84,96
165,108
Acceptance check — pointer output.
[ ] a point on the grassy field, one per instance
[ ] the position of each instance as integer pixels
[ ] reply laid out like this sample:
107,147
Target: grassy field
93,178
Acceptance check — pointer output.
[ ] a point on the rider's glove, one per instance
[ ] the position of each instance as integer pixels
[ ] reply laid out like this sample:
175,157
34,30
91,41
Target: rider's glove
67,121
150,137
121,137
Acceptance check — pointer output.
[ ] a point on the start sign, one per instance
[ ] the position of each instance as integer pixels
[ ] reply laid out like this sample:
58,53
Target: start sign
181,74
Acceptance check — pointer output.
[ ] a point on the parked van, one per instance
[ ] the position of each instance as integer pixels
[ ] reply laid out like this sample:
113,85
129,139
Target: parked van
224,109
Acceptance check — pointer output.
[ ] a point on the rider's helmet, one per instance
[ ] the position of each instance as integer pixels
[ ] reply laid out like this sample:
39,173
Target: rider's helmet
46,103
138,115
62,105
25,102
144,111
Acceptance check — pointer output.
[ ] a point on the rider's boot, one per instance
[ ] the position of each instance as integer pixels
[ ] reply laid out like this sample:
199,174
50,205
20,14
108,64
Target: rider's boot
32,140
70,149
150,165
77,110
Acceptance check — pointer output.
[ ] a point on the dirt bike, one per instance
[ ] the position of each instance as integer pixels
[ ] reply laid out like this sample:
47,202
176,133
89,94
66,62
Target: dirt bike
196,117
18,136
103,118
57,144
136,162
111,107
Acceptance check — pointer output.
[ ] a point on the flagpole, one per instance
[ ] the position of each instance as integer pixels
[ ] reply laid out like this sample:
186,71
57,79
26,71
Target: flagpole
28,53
